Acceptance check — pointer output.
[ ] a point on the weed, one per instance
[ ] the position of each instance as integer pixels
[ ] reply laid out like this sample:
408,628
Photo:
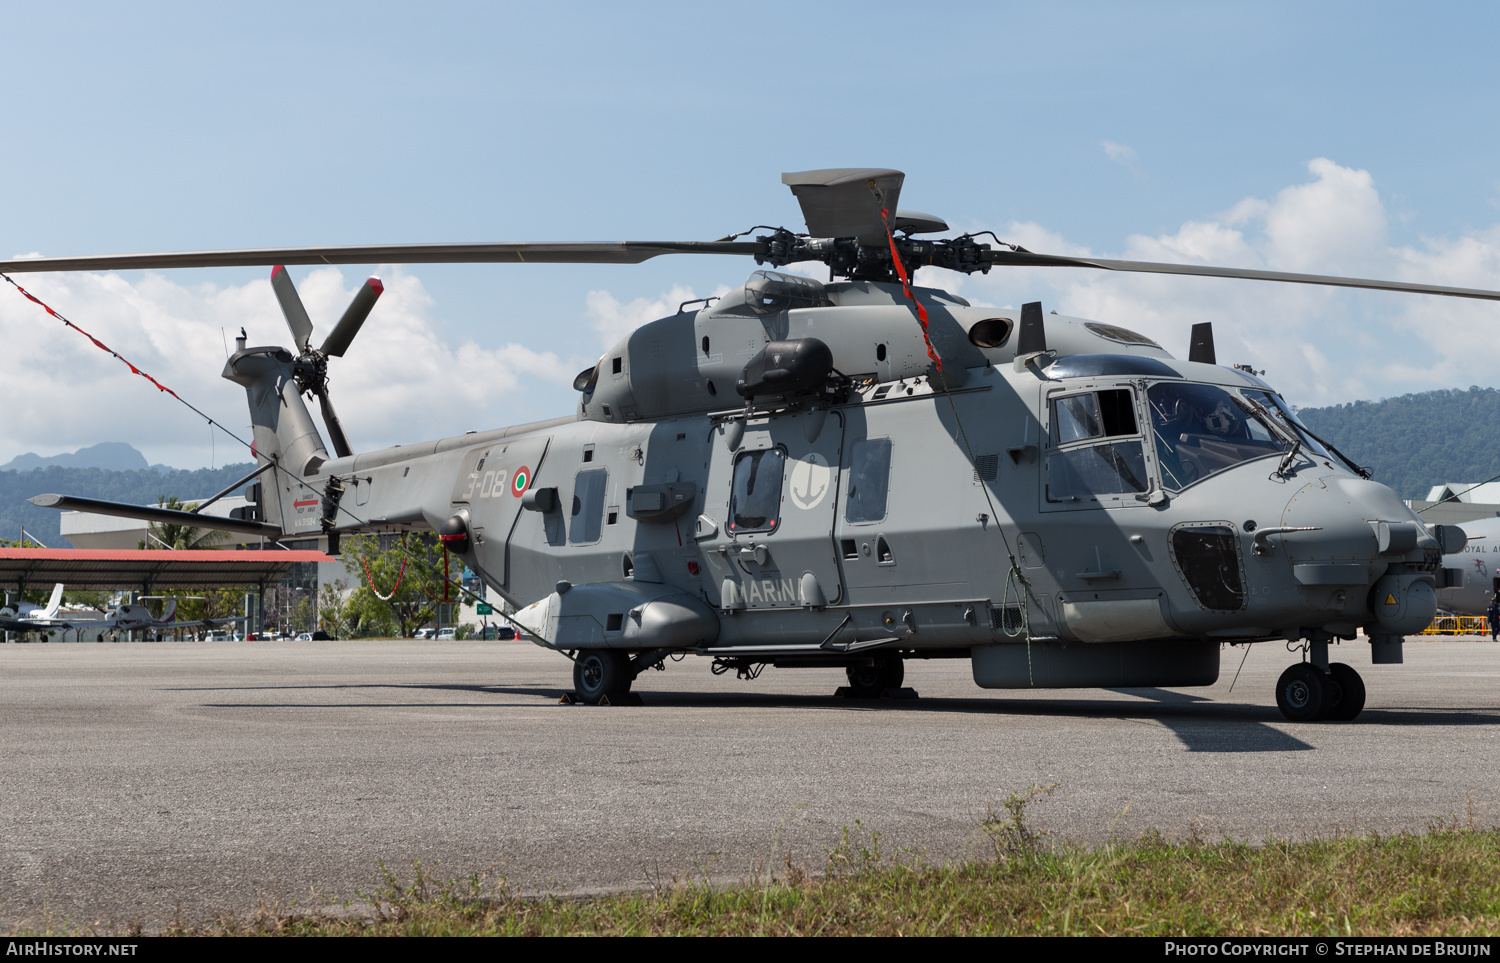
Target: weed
1012,836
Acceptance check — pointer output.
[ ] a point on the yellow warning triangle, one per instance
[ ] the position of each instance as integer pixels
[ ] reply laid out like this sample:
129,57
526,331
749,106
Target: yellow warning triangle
1390,599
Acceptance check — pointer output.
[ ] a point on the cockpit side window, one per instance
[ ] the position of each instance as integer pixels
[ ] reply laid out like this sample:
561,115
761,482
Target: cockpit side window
1097,414
1098,462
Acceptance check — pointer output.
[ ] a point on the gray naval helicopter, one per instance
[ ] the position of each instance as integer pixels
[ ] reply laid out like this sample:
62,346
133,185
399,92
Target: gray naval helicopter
860,472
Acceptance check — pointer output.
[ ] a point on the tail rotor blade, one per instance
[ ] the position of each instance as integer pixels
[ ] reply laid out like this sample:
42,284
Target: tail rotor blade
336,434
291,306
348,326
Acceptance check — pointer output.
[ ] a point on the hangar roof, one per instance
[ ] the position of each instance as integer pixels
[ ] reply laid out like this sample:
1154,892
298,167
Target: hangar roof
87,568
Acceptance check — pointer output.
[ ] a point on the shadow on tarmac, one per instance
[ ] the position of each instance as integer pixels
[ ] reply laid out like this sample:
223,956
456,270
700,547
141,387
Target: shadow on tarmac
1201,724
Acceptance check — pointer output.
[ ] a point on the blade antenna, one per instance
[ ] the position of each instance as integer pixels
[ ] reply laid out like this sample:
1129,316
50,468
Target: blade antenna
1201,349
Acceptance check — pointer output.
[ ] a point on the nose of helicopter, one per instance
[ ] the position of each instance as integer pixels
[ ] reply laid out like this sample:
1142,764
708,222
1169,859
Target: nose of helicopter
1357,553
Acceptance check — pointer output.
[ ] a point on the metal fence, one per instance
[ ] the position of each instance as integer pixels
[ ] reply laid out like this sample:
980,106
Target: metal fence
1457,625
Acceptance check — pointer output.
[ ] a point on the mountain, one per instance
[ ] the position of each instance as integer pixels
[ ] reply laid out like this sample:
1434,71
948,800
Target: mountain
1420,440
140,487
109,455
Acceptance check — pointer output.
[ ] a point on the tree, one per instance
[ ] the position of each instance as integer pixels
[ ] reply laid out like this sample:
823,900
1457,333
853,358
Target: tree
176,536
408,594
333,609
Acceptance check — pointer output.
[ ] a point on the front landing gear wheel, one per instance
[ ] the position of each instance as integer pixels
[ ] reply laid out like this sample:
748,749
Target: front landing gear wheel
869,681
1351,693
1301,693
601,673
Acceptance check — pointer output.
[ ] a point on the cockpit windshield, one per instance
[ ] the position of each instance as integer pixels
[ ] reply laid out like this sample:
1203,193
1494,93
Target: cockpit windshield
1203,429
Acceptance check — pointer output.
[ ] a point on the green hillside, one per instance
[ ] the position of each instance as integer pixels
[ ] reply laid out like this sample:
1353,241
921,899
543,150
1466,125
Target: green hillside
1413,442
136,487
1416,441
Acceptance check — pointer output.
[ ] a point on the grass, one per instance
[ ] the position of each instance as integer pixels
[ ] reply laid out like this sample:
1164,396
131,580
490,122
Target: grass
1445,881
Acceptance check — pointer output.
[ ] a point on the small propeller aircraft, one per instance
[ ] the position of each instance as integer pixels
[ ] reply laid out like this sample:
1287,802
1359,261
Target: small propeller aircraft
29,617
128,617
861,472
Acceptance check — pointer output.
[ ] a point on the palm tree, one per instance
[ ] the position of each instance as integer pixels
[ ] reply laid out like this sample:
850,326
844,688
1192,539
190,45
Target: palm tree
177,536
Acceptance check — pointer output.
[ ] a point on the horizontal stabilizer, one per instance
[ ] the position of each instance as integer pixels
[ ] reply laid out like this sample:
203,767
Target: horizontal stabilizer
147,513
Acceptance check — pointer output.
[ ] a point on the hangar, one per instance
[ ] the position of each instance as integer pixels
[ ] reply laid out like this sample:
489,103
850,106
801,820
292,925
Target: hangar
144,570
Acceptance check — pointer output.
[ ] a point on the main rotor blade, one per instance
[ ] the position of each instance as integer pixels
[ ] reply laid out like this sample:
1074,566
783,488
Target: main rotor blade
846,201
616,252
291,306
338,340
1028,259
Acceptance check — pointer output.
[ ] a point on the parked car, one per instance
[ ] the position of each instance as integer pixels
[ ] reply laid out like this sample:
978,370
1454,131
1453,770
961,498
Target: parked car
425,633
447,634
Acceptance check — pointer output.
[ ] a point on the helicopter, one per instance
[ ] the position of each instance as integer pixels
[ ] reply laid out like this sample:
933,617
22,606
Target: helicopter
863,471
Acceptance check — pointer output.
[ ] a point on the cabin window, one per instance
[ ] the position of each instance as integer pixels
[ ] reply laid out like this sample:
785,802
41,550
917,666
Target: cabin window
588,506
869,480
755,501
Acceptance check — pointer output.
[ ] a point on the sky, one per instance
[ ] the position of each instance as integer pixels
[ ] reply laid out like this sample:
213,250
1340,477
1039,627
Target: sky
1343,138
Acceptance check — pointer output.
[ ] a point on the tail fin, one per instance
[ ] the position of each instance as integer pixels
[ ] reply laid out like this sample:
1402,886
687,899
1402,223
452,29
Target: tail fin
54,603
284,430
170,612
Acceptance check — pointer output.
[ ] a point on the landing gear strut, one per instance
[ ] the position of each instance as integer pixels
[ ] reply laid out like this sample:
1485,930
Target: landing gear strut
1315,690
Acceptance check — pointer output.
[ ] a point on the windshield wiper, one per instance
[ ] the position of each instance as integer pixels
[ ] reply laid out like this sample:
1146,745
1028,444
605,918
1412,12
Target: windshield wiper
1277,428
1357,469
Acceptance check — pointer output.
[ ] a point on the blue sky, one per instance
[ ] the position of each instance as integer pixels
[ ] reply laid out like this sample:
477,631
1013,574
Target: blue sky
1346,138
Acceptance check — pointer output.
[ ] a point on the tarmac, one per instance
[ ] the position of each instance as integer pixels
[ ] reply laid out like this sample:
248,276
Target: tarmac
142,783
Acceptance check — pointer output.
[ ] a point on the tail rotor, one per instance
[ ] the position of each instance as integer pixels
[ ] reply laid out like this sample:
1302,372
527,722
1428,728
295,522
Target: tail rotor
312,363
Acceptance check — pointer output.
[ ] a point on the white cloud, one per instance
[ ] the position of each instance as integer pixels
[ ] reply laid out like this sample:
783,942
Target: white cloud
1319,345
400,382
404,381
614,320
1119,153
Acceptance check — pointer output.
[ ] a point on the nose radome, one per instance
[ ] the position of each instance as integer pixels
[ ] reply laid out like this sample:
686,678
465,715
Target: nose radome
1341,518
1374,500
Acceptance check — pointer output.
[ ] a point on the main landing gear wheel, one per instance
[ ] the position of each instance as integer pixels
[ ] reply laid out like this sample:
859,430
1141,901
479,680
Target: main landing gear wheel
1302,693
1351,693
601,673
869,681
